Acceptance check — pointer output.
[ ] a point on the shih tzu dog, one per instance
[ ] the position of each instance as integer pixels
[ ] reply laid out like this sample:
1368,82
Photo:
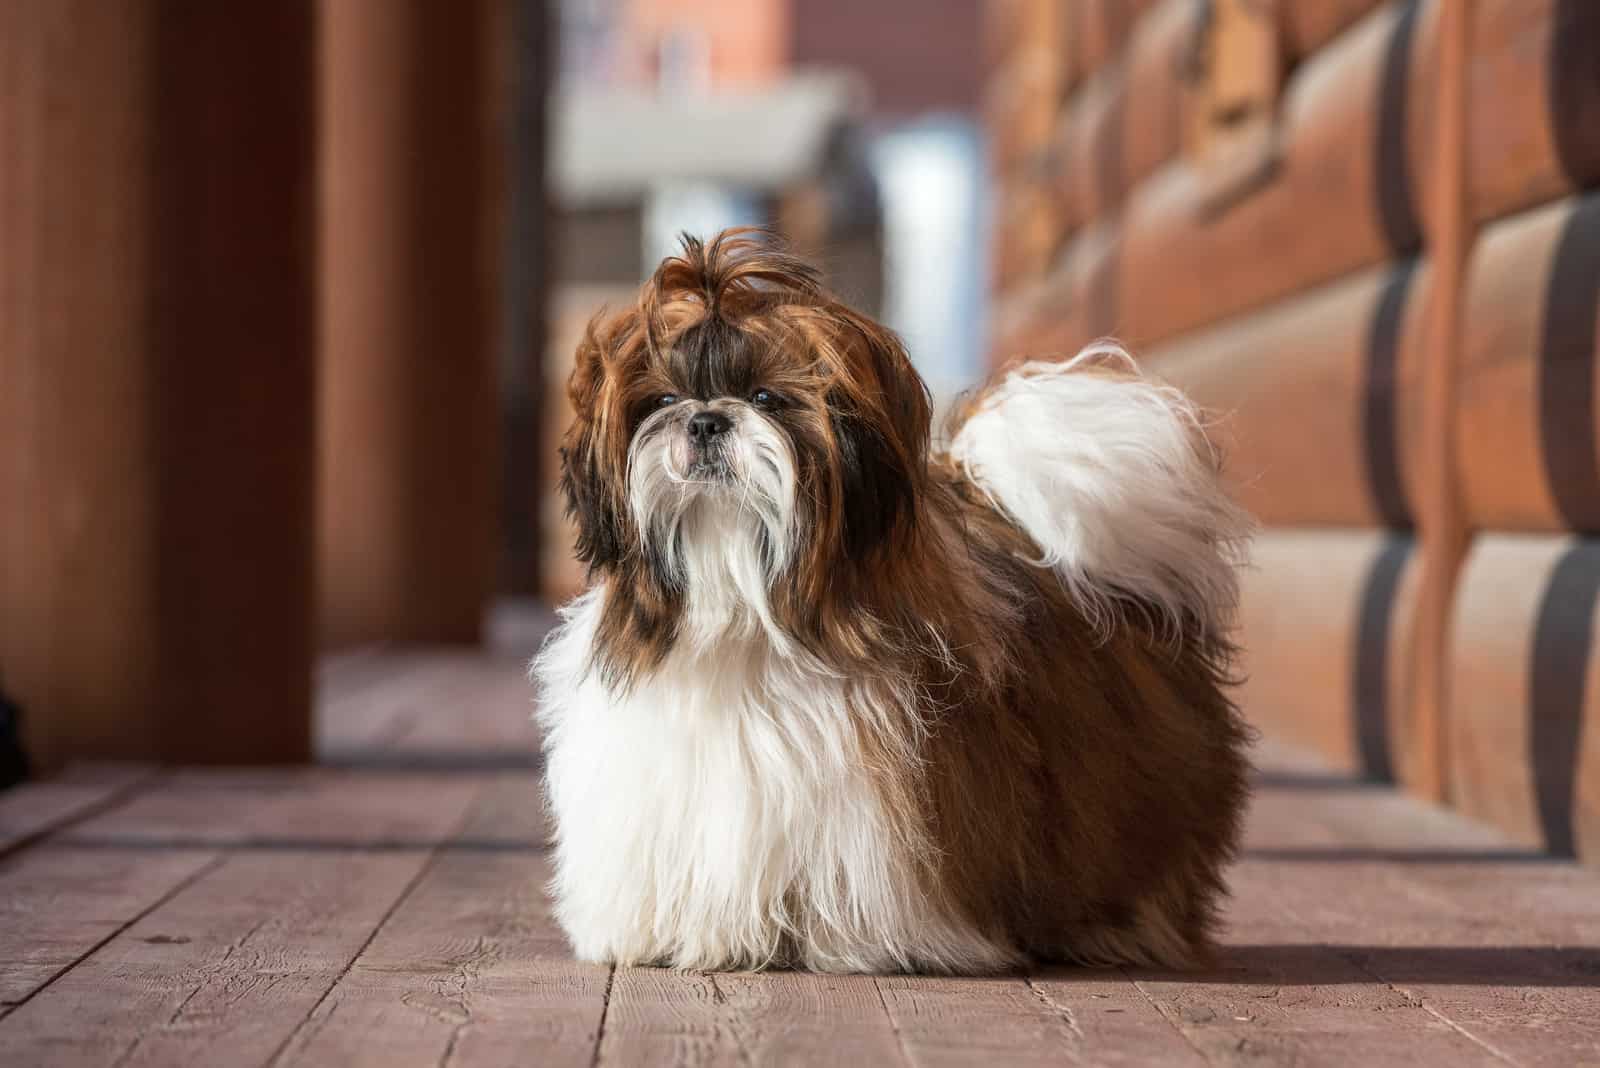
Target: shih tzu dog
841,701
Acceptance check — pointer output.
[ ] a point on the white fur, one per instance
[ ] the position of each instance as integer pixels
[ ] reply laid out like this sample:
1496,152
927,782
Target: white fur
721,810
1114,481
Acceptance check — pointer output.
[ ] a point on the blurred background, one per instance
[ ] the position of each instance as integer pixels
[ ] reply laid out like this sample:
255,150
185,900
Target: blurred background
849,128
289,291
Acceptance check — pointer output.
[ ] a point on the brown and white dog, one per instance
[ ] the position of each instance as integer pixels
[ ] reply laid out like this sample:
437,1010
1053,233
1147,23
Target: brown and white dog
836,700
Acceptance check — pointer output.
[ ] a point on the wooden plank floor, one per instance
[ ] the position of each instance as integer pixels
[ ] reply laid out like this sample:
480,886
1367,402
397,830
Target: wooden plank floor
385,908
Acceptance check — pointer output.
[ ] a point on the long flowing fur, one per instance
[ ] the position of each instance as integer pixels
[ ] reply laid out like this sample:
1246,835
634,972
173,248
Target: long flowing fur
837,701
1111,474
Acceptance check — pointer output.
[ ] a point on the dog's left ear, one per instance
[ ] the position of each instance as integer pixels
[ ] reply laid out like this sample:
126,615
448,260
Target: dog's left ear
881,413
590,480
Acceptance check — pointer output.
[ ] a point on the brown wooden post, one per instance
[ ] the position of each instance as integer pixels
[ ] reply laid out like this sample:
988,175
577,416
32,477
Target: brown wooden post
1441,523
409,435
156,377
524,37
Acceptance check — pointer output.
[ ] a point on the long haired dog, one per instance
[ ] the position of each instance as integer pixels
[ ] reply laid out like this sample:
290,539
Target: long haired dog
836,701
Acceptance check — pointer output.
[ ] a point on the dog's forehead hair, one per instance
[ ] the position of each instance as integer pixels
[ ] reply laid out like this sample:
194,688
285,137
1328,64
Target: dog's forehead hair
715,358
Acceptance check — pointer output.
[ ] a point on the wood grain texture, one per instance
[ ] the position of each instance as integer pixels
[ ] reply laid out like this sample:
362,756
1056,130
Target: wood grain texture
228,966
1113,1022
661,1017
385,917
470,967
669,1018
1005,1020
58,903
1297,981
1484,935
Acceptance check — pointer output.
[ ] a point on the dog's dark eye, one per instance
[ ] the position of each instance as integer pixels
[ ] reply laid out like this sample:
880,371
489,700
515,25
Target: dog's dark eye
762,397
666,400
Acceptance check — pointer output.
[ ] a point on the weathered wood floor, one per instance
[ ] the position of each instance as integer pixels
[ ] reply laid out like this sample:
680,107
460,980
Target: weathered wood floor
385,908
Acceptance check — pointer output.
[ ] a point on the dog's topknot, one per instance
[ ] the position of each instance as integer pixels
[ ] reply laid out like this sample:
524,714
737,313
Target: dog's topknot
733,273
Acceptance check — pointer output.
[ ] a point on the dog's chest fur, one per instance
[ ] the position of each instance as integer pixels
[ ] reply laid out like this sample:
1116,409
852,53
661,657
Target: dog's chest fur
726,809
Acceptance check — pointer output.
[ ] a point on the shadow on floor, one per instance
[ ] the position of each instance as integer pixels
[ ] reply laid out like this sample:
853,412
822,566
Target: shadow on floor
1367,855
1329,965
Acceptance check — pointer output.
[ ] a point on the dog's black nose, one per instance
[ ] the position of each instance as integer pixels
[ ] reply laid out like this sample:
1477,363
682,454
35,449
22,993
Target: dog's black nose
703,426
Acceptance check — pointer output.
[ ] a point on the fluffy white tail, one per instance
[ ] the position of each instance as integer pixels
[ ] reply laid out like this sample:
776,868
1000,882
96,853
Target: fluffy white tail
1112,476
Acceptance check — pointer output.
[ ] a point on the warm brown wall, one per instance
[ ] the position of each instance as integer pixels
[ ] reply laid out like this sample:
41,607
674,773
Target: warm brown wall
1397,331
156,274
915,55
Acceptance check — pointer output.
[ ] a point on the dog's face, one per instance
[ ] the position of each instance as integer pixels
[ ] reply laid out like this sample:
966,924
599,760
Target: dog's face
741,427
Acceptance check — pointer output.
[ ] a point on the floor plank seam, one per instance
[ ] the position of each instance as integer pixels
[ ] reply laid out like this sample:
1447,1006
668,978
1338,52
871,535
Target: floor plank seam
734,1020
1410,995
1161,1010
467,970
605,1010
450,1046
124,793
183,884
1466,1034
1422,1002
894,1025
434,853
132,1048
434,956
1061,1012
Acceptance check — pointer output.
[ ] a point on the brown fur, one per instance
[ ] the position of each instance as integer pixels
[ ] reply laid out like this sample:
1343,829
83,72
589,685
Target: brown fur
1077,794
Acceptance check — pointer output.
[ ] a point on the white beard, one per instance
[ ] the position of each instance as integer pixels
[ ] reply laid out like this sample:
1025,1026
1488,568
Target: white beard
722,543
719,812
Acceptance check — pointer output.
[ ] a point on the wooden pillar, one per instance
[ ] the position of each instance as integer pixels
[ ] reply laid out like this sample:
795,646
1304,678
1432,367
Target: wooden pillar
409,436
156,377
524,36
1442,525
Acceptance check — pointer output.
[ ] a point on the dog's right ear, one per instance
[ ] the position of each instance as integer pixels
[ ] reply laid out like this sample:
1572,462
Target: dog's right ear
591,475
